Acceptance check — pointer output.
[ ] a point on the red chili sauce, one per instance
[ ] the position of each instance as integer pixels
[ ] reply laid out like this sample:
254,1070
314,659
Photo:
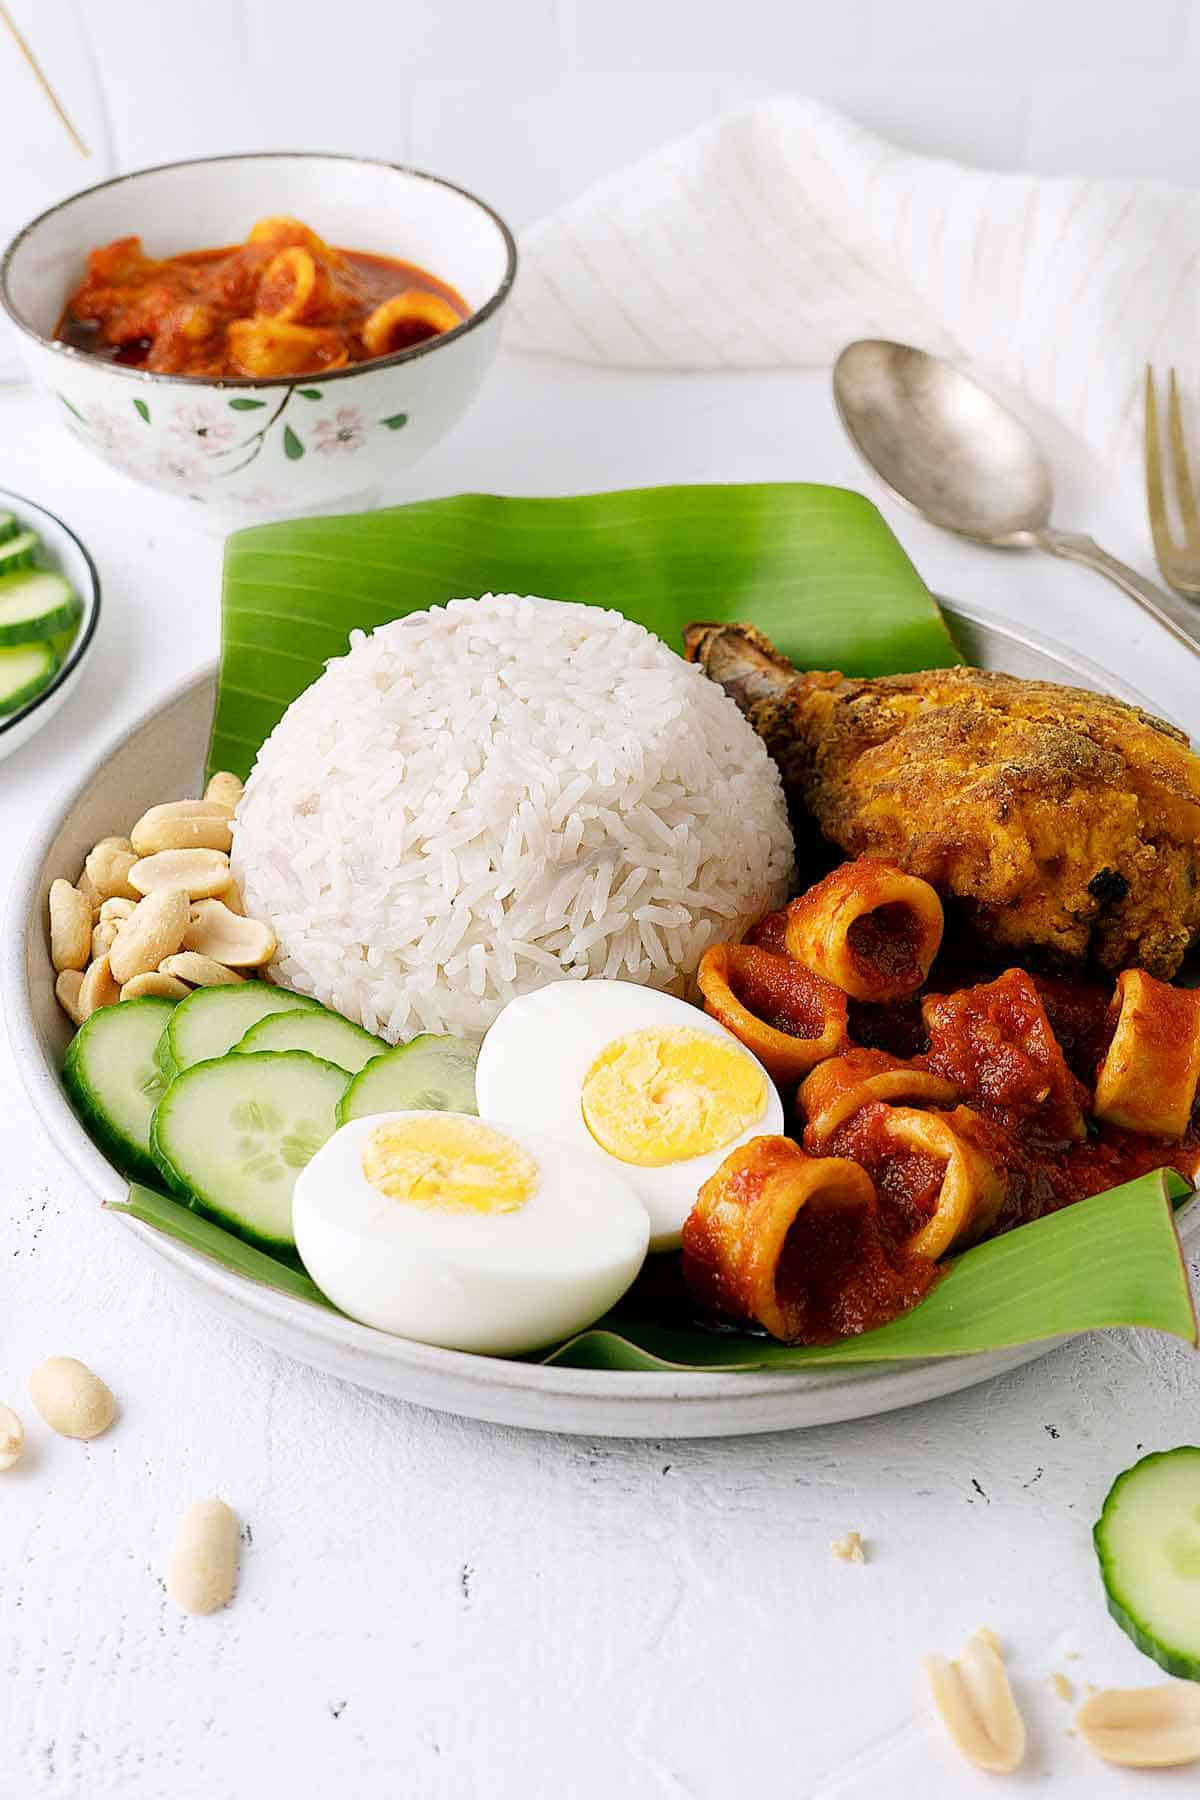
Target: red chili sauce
783,994
173,314
885,942
841,1273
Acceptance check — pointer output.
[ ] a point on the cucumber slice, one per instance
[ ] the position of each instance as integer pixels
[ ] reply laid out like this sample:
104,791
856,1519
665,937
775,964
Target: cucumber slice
430,1073
212,1020
25,669
115,1083
34,605
231,1136
8,527
321,1032
1148,1541
17,552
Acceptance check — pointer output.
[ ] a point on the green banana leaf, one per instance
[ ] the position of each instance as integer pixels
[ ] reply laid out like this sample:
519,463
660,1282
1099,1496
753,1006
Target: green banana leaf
816,568
1108,1261
196,1232
1114,1259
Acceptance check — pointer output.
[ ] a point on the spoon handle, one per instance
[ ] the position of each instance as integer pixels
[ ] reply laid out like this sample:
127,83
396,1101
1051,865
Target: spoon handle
1176,616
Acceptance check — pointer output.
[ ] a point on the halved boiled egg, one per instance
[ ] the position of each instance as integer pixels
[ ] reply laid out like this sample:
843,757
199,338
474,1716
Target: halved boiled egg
662,1091
460,1232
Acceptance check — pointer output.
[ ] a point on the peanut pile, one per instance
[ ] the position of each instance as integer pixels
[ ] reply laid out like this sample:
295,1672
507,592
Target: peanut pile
157,912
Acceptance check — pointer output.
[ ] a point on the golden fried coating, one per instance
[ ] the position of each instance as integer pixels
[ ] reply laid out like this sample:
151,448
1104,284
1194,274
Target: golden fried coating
1066,821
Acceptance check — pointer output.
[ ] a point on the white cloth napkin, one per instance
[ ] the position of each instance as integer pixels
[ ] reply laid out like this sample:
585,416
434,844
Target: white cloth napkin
776,235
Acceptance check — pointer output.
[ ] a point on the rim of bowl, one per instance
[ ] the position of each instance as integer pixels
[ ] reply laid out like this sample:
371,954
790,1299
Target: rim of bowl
83,641
490,306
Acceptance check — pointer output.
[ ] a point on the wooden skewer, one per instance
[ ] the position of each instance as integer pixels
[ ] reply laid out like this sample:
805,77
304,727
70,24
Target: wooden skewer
40,78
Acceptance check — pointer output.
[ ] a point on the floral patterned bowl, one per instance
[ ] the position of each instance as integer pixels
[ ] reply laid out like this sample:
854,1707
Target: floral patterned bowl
265,447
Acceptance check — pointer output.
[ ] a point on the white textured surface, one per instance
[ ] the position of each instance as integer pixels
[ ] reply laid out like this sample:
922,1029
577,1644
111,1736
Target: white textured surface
436,1609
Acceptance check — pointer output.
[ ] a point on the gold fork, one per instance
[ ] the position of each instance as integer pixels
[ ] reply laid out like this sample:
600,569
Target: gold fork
1179,563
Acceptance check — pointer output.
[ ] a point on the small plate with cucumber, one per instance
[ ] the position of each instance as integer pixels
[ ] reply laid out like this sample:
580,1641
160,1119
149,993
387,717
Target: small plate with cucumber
49,610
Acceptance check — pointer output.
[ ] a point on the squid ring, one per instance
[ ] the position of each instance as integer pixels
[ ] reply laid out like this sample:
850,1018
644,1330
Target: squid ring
393,324
869,928
972,1187
735,1237
1148,1079
292,286
790,1018
837,1089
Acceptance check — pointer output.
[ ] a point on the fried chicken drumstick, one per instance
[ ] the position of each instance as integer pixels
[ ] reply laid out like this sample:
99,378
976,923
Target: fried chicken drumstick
1067,823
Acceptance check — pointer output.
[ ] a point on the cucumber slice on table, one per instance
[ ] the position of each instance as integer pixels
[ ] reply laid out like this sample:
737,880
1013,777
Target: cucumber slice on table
320,1032
17,552
213,1019
431,1073
113,1079
36,604
25,669
1148,1540
231,1136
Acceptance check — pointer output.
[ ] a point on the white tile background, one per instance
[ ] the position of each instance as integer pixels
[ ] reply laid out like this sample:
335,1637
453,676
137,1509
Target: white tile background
527,100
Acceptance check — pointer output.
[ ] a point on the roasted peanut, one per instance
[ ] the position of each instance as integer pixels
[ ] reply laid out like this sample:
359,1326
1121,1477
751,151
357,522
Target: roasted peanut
1143,1728
116,910
67,990
201,873
99,988
976,1706
103,933
162,987
202,1572
72,1400
108,866
154,929
12,1438
227,937
87,888
70,926
224,787
113,914
183,825
200,971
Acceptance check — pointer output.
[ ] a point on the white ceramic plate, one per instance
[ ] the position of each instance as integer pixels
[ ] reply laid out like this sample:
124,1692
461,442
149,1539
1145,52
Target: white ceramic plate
64,552
163,756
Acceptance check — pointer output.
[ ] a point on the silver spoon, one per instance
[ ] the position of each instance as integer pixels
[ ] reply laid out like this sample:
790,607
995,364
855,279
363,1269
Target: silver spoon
946,448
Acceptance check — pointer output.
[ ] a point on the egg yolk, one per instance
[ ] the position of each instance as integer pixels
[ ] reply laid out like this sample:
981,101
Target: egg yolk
668,1093
449,1165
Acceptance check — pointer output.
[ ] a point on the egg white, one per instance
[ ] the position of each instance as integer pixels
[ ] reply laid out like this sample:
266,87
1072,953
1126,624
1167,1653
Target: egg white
534,1059
497,1284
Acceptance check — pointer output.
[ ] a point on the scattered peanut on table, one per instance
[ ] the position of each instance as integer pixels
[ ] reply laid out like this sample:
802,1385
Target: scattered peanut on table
71,1399
12,1438
976,1705
202,1572
157,912
1143,1728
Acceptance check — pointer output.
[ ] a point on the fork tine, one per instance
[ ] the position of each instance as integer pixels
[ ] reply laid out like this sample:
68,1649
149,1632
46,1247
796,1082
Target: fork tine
1185,492
1155,498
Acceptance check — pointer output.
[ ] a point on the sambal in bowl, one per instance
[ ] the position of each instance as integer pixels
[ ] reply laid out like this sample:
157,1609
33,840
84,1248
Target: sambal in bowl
267,334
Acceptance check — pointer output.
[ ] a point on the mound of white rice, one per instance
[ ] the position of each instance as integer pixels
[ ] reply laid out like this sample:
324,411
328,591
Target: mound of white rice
496,794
